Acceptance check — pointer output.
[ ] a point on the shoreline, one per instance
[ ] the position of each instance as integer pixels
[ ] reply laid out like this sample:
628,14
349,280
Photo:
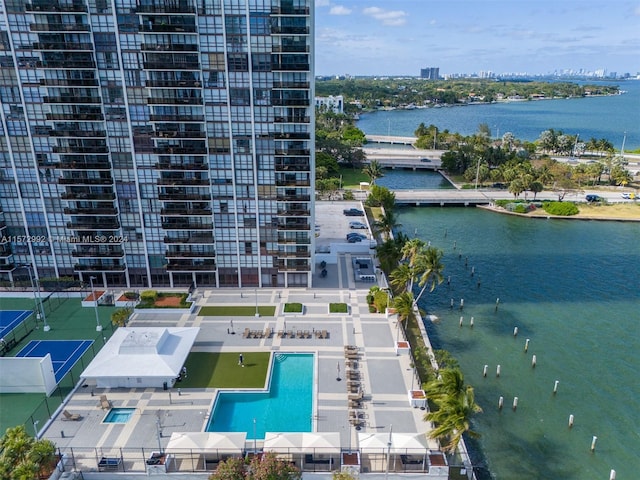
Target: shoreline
546,216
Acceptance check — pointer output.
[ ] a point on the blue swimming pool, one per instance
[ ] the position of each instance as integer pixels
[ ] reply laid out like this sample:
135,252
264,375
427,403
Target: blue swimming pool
286,407
119,415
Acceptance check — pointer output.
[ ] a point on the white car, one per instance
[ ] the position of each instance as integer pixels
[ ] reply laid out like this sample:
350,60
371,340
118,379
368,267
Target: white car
626,195
357,225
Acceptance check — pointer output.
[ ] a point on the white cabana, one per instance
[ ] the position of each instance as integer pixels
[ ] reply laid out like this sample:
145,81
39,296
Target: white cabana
141,357
306,442
227,443
401,443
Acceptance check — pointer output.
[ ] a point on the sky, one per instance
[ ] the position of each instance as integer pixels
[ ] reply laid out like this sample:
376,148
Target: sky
399,37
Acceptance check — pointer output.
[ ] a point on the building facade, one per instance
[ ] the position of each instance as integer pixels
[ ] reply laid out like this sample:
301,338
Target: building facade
332,103
430,73
157,143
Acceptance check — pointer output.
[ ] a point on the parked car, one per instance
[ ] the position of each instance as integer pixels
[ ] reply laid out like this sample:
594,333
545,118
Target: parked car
594,198
629,195
425,160
357,225
356,235
353,212
354,240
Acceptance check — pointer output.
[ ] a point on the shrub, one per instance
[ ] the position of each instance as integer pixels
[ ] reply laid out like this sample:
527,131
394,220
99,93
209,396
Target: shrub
131,295
348,195
292,308
520,208
563,209
120,317
149,295
381,300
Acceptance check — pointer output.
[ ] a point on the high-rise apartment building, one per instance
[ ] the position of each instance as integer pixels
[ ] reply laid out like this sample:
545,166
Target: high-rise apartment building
430,73
152,143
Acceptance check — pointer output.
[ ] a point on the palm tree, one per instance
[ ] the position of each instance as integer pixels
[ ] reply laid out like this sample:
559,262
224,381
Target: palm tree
429,268
21,456
402,278
373,170
404,304
453,418
389,252
387,222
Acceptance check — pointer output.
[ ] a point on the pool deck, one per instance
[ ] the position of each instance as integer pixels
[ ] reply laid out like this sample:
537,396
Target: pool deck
386,376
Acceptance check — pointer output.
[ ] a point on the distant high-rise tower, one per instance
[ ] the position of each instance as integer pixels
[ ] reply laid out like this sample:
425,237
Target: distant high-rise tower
152,143
430,73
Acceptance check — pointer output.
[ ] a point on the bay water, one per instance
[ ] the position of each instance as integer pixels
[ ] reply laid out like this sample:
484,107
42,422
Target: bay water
609,117
573,289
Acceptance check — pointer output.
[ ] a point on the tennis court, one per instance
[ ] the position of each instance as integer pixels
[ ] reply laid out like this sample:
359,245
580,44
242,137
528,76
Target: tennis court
10,319
64,353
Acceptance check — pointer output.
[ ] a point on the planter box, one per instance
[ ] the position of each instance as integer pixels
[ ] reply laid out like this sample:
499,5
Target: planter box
402,347
123,302
89,301
289,314
417,398
338,313
169,310
350,463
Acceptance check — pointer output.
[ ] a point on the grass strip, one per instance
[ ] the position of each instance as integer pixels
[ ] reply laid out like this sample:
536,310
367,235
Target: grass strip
236,311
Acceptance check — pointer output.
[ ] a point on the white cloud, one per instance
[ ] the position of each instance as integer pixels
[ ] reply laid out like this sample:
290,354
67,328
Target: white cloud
322,3
394,18
339,10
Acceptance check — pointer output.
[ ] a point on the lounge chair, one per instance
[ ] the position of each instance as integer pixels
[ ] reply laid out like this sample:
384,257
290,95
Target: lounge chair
71,416
105,404
246,333
299,334
306,334
281,333
324,334
268,332
290,334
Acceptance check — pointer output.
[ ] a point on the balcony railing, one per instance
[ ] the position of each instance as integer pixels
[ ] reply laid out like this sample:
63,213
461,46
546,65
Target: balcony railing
176,118
293,226
293,198
294,254
175,197
90,211
187,182
294,241
290,67
73,117
292,135
169,47
101,225
290,30
293,268
173,83
69,82
291,119
180,151
71,99
166,28
294,213
177,212
174,134
189,254
192,239
292,183
181,166
187,267
304,48
78,133
67,64
174,101
79,165
96,252
287,85
54,7
186,226
290,10
59,27
290,102
61,46
292,151
169,65
81,149
106,197
85,181
165,9
99,268
7,267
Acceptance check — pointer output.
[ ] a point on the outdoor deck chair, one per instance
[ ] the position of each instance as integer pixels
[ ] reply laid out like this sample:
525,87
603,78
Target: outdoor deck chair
290,334
105,403
306,334
299,334
71,416
324,334
280,333
246,333
268,332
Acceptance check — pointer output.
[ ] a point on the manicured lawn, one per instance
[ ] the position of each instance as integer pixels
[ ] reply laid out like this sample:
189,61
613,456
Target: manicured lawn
292,308
236,311
221,370
338,308
351,178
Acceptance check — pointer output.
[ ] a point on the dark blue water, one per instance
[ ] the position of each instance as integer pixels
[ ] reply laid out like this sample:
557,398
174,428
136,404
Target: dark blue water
597,117
412,180
573,289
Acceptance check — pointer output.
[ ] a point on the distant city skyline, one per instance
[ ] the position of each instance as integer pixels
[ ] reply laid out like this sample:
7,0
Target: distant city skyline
372,37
